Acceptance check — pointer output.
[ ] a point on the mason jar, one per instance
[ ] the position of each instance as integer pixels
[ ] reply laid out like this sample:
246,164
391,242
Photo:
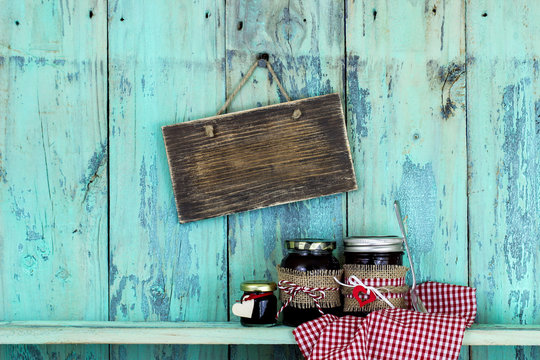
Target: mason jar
308,255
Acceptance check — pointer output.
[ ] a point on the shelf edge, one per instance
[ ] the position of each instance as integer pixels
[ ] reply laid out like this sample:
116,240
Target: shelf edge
116,332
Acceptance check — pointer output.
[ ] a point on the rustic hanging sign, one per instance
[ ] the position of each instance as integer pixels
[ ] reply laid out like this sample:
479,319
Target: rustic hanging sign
261,157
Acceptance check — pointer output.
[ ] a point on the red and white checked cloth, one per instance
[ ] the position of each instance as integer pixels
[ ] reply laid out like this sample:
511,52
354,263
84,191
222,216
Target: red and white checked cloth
397,334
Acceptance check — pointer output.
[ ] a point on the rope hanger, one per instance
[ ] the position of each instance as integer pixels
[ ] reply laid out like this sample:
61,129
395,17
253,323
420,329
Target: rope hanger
260,58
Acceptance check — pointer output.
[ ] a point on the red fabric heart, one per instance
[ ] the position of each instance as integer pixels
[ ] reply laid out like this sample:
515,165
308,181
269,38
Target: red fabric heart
360,289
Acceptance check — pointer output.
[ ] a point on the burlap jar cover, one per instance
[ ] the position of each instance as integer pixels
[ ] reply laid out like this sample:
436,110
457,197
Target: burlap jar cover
311,279
373,275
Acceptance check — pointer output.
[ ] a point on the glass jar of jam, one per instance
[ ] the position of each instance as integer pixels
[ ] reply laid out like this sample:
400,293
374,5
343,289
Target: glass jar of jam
265,302
307,255
374,250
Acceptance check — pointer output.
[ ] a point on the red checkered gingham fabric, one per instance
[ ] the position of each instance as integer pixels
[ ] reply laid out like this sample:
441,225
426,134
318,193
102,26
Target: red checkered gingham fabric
378,282
449,299
388,296
397,334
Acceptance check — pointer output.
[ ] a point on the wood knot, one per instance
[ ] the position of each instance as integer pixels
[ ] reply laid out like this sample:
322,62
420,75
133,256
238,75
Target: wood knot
209,130
296,114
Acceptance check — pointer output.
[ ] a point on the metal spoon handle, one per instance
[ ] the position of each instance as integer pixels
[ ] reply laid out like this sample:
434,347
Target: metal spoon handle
402,228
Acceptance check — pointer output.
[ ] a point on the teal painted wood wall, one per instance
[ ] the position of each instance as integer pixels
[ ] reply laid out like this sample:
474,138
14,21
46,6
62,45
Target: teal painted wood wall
443,110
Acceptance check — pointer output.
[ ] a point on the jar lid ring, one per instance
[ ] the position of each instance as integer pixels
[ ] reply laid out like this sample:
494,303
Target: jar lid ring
311,244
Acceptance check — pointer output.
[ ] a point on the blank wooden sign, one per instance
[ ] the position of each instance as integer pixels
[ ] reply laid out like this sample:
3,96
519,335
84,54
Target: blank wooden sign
260,157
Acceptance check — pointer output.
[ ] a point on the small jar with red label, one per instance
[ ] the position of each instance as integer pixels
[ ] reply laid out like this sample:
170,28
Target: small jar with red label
258,305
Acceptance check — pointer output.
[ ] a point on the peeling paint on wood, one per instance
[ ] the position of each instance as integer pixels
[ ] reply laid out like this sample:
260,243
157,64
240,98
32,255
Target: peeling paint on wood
406,113
167,71
439,114
504,166
307,57
53,178
406,146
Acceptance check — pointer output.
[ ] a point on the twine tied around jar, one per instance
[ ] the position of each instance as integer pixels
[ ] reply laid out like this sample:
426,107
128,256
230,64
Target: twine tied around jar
292,289
354,281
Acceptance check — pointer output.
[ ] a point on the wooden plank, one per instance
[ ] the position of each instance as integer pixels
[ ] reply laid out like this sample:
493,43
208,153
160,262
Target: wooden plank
53,168
166,62
405,100
122,332
406,120
503,95
257,158
305,43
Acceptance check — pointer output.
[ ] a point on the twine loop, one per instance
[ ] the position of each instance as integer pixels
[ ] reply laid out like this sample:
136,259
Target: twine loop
245,79
292,289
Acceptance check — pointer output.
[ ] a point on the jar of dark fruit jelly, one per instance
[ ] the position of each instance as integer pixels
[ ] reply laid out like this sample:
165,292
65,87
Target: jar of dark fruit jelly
374,250
307,255
265,302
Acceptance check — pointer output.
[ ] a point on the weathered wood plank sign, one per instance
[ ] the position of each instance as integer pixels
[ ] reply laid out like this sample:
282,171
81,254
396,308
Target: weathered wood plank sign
261,157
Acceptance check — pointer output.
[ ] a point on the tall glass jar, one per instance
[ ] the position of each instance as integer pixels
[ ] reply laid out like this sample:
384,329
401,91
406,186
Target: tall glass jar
373,250
307,255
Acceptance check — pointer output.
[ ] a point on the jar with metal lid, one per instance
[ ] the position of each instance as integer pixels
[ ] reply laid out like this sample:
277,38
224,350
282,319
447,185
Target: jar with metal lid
374,250
258,296
374,256
311,256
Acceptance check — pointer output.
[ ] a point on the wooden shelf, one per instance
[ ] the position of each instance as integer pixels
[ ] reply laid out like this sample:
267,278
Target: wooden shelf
118,332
